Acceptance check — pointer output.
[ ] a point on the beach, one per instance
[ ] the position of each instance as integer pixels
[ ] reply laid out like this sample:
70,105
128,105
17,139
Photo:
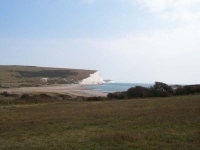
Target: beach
71,89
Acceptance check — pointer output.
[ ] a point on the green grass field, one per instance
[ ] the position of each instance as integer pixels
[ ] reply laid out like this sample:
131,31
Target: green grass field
142,124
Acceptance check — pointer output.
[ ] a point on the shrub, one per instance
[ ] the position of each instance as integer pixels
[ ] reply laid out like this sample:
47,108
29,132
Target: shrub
6,94
137,91
95,98
187,89
180,91
158,90
162,90
117,95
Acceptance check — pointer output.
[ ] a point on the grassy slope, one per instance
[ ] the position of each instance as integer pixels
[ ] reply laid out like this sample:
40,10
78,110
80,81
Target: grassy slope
8,74
156,123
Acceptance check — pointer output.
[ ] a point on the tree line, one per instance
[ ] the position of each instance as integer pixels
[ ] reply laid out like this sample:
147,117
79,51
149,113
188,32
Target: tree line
159,89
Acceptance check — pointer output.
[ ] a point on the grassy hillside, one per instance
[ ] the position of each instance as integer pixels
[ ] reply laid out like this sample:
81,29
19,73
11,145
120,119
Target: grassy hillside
151,123
16,76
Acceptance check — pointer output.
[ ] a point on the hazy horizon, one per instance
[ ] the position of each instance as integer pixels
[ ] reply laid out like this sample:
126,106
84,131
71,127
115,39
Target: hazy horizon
128,41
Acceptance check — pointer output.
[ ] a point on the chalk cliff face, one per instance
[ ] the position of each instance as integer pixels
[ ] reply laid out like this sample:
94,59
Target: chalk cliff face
93,79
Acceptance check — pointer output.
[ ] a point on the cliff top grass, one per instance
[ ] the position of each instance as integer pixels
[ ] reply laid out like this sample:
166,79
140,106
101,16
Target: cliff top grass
150,123
16,76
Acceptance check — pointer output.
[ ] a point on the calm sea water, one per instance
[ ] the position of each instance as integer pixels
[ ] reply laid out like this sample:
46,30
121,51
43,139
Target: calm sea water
114,87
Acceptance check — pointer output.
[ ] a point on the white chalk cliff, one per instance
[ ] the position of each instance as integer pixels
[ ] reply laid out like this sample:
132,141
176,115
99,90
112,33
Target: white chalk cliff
94,78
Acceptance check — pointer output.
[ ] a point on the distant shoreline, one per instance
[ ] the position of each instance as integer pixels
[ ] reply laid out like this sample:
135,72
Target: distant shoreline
70,89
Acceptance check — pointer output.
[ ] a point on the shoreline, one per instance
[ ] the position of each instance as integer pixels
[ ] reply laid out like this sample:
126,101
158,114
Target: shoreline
69,89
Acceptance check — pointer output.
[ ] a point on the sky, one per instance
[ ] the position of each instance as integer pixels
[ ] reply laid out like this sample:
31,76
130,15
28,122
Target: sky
138,41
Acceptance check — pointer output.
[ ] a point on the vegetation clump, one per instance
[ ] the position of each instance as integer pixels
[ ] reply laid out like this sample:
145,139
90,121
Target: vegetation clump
6,94
117,95
159,89
95,98
7,98
64,96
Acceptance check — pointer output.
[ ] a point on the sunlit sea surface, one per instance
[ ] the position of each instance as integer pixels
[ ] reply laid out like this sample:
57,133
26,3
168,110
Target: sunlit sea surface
114,87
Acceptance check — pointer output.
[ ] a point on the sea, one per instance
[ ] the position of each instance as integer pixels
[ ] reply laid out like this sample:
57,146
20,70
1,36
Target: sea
116,87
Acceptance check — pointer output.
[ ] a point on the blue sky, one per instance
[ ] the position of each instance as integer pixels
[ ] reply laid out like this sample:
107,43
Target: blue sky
39,19
126,40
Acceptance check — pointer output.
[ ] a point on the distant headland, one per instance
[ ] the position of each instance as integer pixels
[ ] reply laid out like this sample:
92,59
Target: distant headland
33,76
109,81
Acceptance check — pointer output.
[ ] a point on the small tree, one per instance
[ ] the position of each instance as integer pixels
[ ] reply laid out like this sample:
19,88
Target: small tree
162,89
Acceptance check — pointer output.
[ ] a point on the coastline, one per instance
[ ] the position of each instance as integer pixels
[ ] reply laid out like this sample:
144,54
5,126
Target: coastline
71,89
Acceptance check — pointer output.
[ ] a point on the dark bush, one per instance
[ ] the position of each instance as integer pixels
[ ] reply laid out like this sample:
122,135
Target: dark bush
137,91
122,95
6,94
117,95
95,98
65,96
80,98
44,96
190,89
25,96
158,90
162,90
180,91
187,89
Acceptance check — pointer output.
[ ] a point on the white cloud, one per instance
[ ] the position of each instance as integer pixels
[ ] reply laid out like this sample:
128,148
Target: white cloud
159,5
174,9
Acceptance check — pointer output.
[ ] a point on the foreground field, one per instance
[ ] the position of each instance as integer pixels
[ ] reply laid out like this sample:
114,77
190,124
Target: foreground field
156,123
